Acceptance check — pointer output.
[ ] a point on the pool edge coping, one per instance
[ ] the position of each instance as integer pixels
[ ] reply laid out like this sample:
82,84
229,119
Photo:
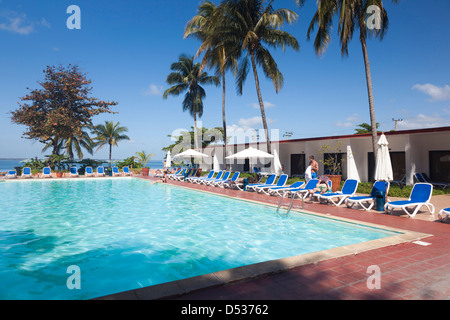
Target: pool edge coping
181,287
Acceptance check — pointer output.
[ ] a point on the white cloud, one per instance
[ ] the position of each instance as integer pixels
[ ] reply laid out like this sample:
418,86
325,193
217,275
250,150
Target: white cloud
350,121
18,23
423,121
153,90
267,105
436,93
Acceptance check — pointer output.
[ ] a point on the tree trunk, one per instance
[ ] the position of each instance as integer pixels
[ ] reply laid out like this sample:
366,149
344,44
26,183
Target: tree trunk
261,103
373,121
227,166
110,153
195,131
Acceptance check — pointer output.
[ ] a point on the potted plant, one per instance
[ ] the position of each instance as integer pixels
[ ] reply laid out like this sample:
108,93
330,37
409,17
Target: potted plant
332,161
143,158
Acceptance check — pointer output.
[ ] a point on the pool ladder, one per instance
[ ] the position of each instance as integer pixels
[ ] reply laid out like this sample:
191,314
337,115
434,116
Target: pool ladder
291,204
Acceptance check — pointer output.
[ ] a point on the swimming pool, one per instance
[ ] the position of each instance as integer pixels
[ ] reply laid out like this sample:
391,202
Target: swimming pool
126,233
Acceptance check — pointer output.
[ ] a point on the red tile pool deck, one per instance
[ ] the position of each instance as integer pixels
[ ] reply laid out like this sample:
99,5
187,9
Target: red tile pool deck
407,271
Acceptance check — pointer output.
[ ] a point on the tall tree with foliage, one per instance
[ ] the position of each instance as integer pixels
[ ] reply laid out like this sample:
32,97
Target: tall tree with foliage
206,26
254,26
110,134
61,108
188,77
365,128
352,15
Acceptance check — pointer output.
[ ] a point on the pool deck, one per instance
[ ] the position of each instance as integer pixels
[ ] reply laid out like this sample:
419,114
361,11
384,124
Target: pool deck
408,270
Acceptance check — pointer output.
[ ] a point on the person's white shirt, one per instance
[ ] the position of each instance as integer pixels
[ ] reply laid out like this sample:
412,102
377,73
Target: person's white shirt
308,174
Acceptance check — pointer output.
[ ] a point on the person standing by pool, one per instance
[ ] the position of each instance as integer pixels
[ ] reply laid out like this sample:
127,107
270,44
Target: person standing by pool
314,167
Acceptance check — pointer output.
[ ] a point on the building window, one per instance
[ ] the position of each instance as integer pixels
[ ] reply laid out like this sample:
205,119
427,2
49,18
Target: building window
440,166
398,163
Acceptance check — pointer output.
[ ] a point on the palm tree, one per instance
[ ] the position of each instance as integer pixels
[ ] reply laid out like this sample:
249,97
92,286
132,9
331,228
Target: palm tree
253,27
109,133
76,143
143,158
189,77
352,15
206,27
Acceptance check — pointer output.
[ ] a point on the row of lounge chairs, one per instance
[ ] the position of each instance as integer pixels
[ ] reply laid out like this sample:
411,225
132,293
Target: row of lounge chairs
47,172
420,194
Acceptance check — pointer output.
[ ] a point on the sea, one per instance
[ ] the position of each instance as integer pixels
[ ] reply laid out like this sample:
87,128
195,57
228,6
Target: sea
9,164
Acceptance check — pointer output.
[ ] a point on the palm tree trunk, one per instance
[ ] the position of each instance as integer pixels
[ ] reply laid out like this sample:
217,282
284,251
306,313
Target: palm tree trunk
110,153
261,103
195,132
373,121
224,122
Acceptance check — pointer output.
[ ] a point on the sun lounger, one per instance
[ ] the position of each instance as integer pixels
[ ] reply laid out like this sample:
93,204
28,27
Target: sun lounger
12,174
73,172
46,172
280,183
227,181
317,193
444,213
301,192
435,184
100,172
367,202
190,173
278,191
269,183
337,198
88,172
420,196
115,171
126,171
177,173
224,177
26,172
196,179
401,182
218,176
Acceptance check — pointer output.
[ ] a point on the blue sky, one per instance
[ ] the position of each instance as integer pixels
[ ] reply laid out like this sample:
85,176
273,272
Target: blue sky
126,47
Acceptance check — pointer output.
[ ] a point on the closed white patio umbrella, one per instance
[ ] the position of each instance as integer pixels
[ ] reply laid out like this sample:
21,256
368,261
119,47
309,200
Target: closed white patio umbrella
352,170
168,160
383,169
276,164
216,164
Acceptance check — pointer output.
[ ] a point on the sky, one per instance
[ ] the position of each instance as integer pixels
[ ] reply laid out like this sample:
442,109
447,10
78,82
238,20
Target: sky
126,48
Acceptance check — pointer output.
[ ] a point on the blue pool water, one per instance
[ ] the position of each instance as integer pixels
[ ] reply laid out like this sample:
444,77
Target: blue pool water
127,233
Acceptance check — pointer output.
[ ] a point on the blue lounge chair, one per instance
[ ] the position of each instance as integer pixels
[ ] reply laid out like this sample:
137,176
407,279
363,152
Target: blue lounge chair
46,172
278,191
100,171
218,176
73,172
177,173
444,213
228,182
435,184
88,172
420,196
301,192
126,171
224,177
337,198
367,202
12,174
26,172
280,183
269,183
196,179
115,171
